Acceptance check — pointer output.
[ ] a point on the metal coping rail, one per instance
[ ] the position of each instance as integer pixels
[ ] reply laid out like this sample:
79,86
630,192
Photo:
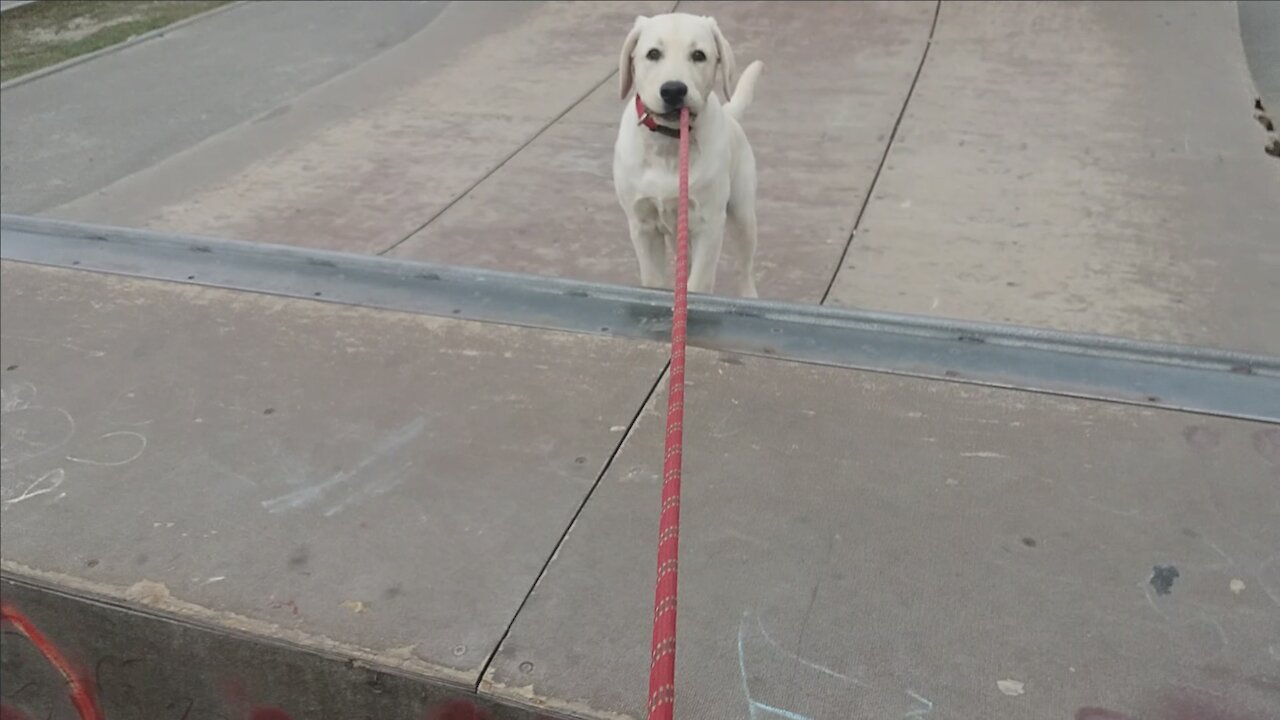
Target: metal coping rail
1180,377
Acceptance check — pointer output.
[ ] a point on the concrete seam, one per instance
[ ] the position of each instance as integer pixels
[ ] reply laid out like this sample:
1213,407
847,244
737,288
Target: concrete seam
875,179
239,126
492,171
604,470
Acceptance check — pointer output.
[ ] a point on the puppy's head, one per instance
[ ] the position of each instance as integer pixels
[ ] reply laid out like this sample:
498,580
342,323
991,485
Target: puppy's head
672,62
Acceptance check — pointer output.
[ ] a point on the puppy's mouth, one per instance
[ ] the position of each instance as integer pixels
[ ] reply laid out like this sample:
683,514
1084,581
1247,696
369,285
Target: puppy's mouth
673,115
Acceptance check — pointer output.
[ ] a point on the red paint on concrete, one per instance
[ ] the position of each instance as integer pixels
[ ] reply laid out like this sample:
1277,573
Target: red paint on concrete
459,710
79,687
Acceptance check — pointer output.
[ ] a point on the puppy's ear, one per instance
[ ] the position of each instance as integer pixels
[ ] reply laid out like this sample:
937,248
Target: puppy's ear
626,72
725,59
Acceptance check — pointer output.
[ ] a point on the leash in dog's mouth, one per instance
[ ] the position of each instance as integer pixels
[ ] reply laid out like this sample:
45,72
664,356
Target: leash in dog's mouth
647,116
662,664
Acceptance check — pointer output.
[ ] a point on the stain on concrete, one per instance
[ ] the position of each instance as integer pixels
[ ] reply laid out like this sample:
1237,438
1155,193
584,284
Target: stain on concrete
1200,437
1162,577
1097,713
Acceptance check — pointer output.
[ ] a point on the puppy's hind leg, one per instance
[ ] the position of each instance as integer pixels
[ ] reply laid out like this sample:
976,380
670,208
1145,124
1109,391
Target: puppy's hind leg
741,221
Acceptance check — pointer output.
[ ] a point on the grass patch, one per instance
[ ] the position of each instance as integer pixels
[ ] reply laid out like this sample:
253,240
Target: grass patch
45,33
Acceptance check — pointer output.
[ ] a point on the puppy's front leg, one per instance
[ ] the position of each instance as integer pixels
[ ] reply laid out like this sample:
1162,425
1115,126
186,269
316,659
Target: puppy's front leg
705,241
651,251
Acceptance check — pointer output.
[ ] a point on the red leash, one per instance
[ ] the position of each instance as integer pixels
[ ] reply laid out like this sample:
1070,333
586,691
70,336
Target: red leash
662,669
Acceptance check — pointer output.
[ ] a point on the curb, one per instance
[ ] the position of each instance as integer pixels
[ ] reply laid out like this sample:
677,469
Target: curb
135,40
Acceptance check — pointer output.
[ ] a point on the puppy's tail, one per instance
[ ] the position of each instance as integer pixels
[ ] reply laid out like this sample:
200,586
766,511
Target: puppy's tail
745,92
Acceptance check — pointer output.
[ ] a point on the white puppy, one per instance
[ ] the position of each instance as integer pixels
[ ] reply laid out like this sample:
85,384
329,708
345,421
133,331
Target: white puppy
672,61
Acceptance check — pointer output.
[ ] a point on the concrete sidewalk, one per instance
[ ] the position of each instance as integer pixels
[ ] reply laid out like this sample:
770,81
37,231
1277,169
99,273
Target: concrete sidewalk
71,133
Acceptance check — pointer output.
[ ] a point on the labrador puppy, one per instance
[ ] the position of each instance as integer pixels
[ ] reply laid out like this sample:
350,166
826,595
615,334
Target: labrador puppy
670,62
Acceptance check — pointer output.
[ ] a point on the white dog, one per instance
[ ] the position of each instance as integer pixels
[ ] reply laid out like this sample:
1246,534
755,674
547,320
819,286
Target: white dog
672,61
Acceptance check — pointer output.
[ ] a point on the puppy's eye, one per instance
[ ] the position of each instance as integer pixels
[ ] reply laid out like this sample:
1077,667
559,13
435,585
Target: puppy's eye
654,54
699,56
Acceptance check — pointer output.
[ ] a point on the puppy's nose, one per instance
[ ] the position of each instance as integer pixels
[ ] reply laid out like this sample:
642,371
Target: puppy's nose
673,93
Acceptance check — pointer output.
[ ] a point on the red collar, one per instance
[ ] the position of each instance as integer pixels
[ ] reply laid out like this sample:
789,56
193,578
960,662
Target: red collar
646,119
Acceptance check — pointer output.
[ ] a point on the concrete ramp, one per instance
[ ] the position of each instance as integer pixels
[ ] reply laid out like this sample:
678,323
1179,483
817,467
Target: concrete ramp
226,494
287,479
376,487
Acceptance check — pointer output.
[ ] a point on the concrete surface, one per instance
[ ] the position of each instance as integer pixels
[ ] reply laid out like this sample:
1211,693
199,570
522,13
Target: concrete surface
488,175
1088,167
71,133
861,546
1083,166
157,666
191,473
309,507
552,209
414,130
259,456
